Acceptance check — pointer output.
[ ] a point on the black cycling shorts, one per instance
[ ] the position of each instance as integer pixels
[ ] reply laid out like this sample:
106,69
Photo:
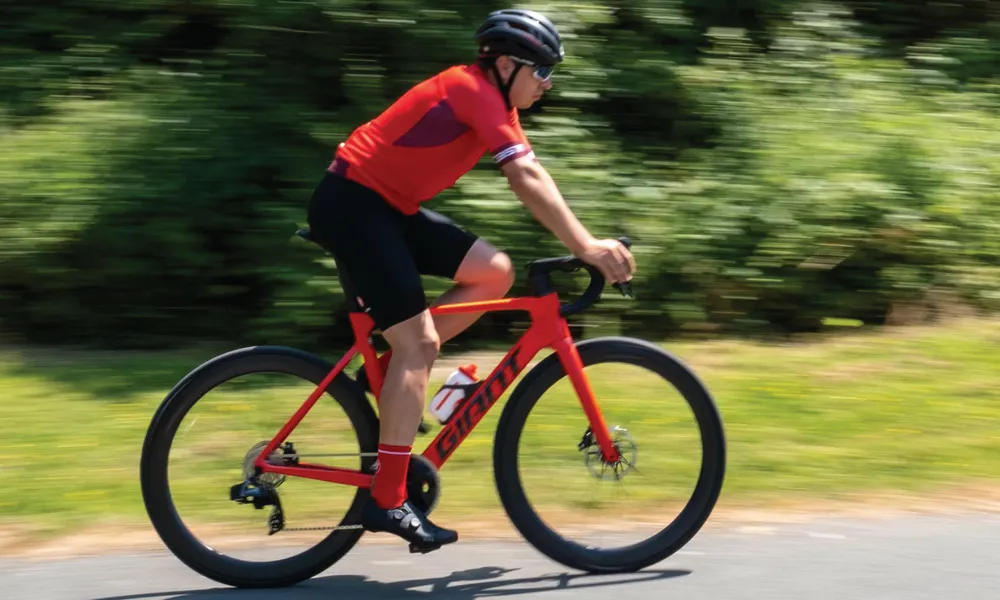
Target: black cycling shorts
380,251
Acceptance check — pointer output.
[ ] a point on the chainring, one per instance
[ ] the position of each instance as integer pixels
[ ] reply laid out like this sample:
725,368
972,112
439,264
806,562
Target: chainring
423,485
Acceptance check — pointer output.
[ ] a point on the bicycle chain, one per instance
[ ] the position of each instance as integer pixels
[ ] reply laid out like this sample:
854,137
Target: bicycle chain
328,528
296,455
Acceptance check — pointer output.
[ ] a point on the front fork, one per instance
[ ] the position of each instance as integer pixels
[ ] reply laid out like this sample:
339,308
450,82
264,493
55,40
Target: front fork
570,359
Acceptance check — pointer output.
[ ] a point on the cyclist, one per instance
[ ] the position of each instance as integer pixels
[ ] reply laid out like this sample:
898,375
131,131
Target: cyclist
367,213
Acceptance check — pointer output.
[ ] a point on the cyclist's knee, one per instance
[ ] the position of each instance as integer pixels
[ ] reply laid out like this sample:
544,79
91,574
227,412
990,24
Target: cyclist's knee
505,274
426,347
415,340
498,273
484,265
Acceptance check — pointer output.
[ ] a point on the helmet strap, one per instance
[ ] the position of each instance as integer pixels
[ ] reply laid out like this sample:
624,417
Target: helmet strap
505,85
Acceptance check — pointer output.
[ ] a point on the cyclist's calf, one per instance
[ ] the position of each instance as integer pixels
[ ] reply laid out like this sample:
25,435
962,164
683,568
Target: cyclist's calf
415,345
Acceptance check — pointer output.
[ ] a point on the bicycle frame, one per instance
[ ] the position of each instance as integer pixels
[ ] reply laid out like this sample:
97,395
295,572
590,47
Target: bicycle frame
548,329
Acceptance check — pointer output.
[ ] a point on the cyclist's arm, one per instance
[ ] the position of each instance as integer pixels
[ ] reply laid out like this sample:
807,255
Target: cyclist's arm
481,108
536,189
538,192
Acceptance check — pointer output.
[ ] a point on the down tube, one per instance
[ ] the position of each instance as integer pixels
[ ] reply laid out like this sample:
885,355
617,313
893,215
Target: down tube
474,409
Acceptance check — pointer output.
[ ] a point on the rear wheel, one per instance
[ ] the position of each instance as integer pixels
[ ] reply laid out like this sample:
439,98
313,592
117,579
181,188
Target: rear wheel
187,472
584,513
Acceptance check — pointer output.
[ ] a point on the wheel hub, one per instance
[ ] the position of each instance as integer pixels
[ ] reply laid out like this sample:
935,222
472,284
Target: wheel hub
285,455
628,454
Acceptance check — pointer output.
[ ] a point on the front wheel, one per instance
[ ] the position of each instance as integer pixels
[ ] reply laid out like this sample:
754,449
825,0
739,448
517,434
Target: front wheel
550,473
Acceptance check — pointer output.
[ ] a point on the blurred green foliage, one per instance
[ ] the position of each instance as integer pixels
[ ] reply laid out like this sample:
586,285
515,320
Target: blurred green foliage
778,163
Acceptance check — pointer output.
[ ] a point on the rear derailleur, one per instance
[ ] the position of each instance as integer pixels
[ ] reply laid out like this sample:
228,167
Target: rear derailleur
259,488
260,495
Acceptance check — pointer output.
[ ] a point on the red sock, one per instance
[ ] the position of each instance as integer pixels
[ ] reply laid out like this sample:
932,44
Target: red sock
389,487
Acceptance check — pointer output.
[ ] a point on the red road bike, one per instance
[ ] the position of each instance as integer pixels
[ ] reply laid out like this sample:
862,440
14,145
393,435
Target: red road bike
606,449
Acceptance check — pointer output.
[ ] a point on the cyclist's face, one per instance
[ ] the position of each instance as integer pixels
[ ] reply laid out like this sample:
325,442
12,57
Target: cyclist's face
527,88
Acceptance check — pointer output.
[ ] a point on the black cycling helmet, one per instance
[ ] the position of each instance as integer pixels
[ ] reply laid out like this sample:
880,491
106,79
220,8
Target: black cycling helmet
521,33
524,34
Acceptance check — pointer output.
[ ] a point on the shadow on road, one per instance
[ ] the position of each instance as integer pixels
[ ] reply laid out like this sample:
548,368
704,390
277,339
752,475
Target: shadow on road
483,582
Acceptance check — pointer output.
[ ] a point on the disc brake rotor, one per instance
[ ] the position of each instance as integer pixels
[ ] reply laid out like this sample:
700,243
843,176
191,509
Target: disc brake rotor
628,454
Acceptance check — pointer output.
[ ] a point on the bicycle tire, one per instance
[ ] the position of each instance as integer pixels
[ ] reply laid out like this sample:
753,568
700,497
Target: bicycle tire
156,446
667,541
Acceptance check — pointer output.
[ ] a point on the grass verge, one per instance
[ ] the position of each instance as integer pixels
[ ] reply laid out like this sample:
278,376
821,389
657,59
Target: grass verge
908,411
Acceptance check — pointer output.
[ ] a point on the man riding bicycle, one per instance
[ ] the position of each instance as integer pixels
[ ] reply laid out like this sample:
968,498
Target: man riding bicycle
367,213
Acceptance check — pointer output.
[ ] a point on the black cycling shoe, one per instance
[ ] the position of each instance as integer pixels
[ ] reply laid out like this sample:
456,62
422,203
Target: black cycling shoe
362,378
409,523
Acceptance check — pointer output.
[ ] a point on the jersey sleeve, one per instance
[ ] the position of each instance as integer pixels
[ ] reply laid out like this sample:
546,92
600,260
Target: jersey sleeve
478,106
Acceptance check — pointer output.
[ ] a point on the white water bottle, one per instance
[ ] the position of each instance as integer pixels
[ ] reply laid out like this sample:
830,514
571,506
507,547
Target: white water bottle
461,384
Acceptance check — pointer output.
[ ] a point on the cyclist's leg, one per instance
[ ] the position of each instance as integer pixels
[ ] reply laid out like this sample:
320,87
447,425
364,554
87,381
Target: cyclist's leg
442,248
485,274
481,272
365,236
415,345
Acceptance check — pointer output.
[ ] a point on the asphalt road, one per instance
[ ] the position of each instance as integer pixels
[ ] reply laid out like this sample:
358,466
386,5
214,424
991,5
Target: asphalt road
906,558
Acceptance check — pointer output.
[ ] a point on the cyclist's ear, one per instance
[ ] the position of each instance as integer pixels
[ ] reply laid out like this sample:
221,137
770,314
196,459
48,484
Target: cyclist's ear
505,65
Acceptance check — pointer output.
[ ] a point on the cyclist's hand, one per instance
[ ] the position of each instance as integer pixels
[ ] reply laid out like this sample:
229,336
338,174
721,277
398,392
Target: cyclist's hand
611,258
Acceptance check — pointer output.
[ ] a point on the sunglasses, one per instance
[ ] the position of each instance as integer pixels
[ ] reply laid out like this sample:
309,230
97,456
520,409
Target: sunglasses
540,72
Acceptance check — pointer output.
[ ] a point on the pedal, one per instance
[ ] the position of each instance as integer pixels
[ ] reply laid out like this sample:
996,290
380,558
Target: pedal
419,549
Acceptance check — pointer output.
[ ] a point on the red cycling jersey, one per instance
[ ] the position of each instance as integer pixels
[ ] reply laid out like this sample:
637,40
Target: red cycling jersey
431,136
